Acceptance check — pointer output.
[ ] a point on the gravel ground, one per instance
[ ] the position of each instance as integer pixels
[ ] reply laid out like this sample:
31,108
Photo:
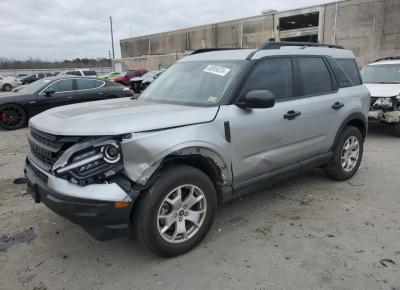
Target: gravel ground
306,233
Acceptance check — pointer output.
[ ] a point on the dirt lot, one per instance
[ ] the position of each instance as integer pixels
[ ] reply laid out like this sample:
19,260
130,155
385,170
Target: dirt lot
306,233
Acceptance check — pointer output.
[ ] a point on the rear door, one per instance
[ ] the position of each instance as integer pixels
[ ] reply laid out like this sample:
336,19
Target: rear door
266,140
317,91
90,90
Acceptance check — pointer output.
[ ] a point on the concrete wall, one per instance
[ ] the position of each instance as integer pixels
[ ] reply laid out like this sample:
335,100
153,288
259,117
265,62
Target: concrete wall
371,28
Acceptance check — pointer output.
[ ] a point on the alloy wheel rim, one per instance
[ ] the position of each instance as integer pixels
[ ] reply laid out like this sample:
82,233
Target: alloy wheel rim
350,153
181,213
11,116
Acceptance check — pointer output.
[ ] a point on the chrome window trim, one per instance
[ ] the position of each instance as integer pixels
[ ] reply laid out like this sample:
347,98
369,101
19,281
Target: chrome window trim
103,84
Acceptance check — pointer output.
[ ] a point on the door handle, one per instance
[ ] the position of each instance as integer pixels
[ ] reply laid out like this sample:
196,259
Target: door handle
70,97
337,106
101,93
290,115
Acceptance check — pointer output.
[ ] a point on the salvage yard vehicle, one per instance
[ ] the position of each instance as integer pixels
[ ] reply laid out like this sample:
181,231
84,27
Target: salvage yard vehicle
18,106
7,83
140,83
77,72
382,78
214,126
125,77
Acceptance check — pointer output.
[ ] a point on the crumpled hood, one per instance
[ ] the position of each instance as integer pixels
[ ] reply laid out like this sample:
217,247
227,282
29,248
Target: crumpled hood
118,116
383,90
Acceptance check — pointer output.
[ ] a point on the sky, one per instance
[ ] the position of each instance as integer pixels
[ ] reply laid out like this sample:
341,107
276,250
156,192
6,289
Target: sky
59,29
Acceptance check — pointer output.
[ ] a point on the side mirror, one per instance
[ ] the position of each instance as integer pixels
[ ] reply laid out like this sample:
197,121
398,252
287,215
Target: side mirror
49,92
258,99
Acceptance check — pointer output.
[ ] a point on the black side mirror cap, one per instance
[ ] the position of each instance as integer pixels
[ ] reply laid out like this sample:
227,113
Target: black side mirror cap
257,99
49,92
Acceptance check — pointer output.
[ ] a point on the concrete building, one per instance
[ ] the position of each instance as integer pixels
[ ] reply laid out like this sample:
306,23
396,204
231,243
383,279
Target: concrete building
371,28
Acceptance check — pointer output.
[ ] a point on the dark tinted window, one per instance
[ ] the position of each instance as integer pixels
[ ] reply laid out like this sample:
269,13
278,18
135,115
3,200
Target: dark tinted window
73,73
61,86
41,75
89,73
350,67
341,76
84,84
314,76
274,75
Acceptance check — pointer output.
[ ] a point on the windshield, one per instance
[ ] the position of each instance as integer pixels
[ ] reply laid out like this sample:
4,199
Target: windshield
381,74
34,87
193,83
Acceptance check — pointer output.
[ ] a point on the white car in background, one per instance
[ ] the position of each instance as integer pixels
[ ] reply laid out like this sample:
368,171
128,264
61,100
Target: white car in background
7,83
382,78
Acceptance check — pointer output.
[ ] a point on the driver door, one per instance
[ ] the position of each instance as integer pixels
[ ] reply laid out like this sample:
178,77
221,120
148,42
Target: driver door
64,94
264,141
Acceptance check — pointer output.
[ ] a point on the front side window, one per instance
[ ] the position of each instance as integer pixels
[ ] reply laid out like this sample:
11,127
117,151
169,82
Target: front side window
274,75
381,74
73,73
85,84
89,73
195,83
313,76
61,86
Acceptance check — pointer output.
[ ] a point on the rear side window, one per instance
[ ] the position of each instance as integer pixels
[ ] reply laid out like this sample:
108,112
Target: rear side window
313,76
85,84
342,78
61,86
350,67
89,73
274,75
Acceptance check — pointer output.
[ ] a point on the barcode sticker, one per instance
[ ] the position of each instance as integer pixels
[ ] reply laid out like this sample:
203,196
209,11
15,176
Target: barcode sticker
217,70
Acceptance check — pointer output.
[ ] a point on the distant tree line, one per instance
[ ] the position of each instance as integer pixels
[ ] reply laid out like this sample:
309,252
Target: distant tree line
37,63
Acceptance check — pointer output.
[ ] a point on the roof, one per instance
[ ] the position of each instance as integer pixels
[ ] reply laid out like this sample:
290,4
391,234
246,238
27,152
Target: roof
242,54
382,62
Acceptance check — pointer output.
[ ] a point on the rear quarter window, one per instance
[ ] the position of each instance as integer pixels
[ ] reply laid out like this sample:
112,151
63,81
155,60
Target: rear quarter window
350,67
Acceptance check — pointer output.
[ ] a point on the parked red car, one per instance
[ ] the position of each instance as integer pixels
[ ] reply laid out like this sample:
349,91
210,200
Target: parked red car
125,78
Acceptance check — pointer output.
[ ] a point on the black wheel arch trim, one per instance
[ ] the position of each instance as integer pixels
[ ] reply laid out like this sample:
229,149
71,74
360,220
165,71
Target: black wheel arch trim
356,117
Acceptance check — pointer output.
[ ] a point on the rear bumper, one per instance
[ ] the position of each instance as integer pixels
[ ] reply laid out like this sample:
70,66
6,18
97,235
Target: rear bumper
100,218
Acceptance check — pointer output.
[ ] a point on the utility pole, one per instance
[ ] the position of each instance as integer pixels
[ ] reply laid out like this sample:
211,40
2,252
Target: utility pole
112,38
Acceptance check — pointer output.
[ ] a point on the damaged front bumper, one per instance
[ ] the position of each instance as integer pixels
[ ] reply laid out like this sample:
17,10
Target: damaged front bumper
94,207
384,116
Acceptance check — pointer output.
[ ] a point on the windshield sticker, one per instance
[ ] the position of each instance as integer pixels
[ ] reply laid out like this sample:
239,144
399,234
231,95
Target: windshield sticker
217,70
213,99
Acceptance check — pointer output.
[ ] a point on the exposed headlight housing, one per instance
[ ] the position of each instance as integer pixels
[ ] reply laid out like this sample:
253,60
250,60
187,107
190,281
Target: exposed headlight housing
384,102
93,163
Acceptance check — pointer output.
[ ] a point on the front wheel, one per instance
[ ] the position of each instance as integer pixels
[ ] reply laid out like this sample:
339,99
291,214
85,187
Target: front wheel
176,212
12,117
347,155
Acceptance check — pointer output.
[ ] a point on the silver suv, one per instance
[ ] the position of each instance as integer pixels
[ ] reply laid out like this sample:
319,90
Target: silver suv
214,126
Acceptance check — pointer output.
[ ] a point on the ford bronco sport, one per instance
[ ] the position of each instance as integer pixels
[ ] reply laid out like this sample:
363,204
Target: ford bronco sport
214,126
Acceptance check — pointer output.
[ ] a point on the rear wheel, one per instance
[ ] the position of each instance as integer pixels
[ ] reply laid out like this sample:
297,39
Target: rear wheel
397,129
347,155
176,212
7,87
12,117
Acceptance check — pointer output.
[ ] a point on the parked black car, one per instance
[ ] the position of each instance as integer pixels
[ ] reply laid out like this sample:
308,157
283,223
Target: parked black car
17,107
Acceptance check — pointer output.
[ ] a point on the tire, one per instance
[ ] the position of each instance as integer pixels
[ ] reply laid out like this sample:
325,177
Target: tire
155,207
339,169
12,117
397,129
7,87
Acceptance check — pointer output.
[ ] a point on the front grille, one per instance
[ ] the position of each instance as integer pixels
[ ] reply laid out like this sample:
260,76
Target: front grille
45,148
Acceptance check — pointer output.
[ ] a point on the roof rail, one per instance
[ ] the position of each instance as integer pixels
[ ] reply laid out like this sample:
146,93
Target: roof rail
202,50
388,58
278,45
